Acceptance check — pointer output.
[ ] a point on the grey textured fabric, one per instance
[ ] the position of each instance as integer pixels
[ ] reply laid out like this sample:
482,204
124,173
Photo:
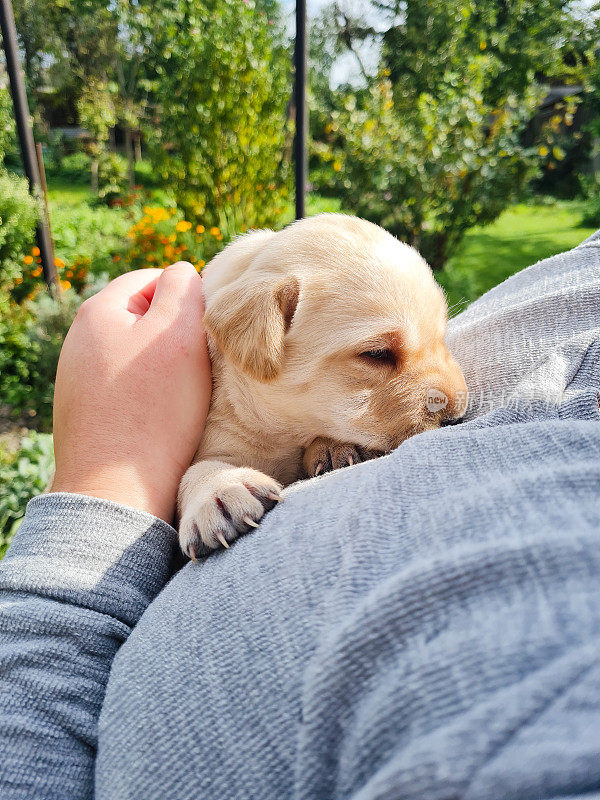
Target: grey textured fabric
426,625
75,580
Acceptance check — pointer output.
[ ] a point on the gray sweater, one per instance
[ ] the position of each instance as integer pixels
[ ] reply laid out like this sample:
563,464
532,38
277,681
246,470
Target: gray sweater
426,625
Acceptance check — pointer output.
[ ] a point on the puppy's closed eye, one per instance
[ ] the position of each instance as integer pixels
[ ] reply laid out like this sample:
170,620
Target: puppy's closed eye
380,356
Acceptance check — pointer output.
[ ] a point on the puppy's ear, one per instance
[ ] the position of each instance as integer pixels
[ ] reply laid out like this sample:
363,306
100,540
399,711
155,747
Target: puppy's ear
249,319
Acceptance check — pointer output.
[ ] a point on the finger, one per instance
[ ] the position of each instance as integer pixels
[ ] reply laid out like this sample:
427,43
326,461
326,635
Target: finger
134,289
178,292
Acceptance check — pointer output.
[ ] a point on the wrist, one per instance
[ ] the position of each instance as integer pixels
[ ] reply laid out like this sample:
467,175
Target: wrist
121,484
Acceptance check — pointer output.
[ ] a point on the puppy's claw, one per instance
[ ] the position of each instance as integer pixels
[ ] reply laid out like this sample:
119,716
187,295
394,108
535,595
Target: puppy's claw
319,468
350,460
192,554
221,537
249,521
274,496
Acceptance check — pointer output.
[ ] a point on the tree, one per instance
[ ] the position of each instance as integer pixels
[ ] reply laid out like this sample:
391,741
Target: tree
432,144
219,77
77,46
40,32
97,114
429,174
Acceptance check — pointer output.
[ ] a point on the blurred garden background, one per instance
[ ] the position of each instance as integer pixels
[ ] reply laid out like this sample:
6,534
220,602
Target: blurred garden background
468,128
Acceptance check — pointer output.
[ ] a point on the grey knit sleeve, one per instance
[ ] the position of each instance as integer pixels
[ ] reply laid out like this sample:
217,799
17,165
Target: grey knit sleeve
77,577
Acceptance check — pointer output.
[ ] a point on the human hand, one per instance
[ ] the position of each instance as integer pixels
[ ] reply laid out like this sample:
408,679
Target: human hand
132,390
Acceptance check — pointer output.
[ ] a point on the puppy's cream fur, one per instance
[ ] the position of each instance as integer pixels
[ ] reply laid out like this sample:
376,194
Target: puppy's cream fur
325,339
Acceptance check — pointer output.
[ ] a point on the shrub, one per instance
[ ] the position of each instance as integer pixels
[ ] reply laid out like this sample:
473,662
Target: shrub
429,172
162,236
75,167
146,175
18,354
220,86
87,241
112,178
87,238
27,286
23,475
19,214
31,336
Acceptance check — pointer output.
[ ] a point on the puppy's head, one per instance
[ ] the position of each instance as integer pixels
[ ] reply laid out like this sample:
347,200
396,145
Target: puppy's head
335,328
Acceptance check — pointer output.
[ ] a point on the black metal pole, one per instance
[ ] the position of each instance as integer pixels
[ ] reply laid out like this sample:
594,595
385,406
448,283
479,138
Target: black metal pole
25,134
300,50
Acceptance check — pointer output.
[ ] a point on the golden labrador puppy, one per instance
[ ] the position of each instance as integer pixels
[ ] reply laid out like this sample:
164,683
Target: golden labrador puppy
327,348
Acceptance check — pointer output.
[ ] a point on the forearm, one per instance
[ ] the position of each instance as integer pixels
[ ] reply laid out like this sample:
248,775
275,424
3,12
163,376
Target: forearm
76,579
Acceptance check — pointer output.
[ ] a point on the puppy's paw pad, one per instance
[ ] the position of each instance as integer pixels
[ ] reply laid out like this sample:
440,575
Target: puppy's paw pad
324,455
225,507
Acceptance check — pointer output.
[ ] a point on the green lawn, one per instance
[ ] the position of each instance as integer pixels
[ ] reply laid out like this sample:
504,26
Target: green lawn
522,235
67,193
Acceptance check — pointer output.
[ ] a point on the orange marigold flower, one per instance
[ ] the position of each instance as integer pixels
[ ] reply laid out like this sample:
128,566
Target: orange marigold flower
18,280
65,284
219,238
159,214
116,257
28,259
69,273
59,263
201,263
183,226
214,231
37,272
35,251
172,237
200,228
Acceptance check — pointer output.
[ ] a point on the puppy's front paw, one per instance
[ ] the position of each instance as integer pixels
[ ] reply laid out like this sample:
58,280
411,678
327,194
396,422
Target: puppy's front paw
223,505
324,455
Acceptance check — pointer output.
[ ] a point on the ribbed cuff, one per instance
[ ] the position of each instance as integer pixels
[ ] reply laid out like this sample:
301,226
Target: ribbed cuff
94,553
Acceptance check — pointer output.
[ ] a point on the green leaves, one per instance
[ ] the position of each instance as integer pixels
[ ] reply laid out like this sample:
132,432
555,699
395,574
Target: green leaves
23,475
430,170
434,143
220,86
19,213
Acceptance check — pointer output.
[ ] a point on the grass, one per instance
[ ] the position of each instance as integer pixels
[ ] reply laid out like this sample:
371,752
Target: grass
522,235
64,193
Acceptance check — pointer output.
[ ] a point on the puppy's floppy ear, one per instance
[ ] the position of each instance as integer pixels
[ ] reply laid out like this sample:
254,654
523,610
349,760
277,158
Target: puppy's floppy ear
248,320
